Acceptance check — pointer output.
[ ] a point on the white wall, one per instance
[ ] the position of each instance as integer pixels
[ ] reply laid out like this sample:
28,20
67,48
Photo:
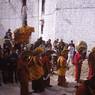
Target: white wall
75,20
49,17
11,17
67,19
70,20
33,18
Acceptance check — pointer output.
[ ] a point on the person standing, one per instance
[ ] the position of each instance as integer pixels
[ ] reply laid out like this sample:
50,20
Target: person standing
47,65
1,57
71,53
91,63
87,87
36,71
23,74
77,62
62,67
12,60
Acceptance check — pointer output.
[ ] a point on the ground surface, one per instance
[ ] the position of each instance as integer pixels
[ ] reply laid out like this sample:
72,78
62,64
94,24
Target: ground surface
14,89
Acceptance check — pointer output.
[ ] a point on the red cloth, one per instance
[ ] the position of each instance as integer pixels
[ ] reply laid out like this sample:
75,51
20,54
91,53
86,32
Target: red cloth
76,58
46,63
81,90
91,64
77,64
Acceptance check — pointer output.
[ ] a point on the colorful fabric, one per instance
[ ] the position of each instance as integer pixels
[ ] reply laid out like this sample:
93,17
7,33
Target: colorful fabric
35,70
77,61
91,64
61,62
76,58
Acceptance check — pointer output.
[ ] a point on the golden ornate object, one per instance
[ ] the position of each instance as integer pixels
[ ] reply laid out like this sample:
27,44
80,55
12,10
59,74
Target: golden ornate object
22,34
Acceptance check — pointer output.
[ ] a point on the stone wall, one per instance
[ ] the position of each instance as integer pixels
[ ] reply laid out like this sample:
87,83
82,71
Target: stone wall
11,15
63,19
70,20
76,20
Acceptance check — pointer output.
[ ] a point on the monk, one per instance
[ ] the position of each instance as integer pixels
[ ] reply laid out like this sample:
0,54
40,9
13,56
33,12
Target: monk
91,63
22,69
87,87
61,65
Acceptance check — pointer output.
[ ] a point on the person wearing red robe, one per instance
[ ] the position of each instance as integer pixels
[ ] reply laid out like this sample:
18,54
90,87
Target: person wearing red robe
91,63
22,69
46,60
77,61
87,87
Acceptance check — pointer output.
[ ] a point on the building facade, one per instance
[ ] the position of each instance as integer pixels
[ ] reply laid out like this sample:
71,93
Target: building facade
70,20
52,19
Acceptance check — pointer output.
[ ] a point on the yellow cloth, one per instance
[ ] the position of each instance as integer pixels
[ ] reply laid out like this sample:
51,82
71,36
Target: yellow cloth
39,50
35,70
62,66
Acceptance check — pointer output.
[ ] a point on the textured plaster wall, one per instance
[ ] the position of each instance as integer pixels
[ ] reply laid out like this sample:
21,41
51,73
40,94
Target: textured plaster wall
70,20
49,20
66,19
75,20
11,16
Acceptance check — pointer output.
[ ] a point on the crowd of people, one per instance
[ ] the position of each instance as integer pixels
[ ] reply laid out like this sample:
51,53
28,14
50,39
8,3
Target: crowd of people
21,64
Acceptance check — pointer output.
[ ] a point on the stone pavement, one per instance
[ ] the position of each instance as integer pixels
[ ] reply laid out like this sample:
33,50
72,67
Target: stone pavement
14,89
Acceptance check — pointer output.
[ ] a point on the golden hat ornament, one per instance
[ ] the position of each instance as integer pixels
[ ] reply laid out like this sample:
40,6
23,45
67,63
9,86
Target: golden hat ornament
38,50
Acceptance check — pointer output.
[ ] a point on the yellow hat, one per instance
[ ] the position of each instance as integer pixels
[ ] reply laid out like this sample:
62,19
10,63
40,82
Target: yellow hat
38,50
